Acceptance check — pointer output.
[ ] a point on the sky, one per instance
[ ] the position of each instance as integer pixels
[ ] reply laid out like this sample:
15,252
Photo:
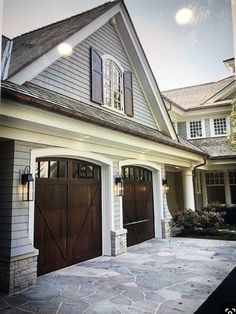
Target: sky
179,54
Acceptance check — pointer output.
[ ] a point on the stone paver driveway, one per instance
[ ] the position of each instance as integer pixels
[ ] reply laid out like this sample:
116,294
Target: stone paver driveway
158,276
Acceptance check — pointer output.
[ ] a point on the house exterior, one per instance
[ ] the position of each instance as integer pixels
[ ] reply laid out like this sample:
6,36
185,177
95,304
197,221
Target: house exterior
200,114
79,108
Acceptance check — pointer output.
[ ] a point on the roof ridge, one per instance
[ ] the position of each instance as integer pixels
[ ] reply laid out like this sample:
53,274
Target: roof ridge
66,19
213,82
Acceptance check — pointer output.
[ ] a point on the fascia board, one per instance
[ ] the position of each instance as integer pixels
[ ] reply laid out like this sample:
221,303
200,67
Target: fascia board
36,67
206,112
143,71
222,163
177,110
183,115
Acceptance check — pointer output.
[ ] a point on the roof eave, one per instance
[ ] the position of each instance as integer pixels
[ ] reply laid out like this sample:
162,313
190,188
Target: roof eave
52,107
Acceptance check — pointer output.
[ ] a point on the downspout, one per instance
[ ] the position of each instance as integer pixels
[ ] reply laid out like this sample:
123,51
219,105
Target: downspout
194,177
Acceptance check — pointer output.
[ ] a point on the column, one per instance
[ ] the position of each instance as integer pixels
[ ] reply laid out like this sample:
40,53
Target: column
188,189
166,222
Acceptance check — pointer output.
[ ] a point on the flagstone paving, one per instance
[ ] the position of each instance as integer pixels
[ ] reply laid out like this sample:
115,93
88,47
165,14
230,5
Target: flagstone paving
158,276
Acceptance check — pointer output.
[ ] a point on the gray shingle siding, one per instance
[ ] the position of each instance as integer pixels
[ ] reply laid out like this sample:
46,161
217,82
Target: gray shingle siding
71,76
14,213
182,129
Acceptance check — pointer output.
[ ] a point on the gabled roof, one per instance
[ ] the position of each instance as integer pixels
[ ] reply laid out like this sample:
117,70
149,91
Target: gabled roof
30,46
35,51
197,96
51,101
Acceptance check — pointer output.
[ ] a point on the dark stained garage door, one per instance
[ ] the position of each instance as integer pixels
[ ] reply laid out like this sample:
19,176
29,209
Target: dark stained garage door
68,227
138,215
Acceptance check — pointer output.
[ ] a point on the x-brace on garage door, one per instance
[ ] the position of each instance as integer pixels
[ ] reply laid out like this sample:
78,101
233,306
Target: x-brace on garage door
68,226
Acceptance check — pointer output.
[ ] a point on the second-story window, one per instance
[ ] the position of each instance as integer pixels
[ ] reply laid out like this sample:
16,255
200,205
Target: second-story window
112,85
220,126
195,129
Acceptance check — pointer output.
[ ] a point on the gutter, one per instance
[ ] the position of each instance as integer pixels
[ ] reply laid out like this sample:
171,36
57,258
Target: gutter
223,157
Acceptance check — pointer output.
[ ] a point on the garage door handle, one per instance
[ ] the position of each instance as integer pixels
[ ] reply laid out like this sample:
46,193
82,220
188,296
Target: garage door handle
136,222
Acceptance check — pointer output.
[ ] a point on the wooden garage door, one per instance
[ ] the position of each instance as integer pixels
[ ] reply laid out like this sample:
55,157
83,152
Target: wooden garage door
138,216
68,226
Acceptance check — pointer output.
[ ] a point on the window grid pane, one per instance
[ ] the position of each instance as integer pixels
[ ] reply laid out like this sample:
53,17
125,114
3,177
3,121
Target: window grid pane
53,170
232,177
220,126
43,169
112,85
195,129
214,178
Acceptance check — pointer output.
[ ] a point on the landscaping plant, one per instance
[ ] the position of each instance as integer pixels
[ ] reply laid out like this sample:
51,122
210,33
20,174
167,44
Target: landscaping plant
199,221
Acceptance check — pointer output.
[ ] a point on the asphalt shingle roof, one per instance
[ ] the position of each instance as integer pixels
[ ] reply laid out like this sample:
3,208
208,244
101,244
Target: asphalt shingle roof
51,101
198,95
30,46
216,147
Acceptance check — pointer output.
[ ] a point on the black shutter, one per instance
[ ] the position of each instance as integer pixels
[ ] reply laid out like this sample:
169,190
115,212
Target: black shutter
128,93
96,77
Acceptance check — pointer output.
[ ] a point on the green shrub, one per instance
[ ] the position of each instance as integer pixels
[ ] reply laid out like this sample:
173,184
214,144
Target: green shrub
186,220
229,213
209,220
203,220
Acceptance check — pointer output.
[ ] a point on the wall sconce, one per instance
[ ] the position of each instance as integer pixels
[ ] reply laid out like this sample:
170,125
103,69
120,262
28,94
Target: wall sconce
119,185
27,181
165,186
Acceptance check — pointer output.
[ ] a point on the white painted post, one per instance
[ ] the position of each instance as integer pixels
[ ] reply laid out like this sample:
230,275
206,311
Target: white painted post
227,188
188,189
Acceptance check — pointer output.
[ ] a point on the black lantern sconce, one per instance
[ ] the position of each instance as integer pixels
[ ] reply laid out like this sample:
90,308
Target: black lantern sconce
119,185
27,182
165,186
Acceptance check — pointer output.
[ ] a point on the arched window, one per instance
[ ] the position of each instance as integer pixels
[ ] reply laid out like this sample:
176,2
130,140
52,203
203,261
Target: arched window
112,84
